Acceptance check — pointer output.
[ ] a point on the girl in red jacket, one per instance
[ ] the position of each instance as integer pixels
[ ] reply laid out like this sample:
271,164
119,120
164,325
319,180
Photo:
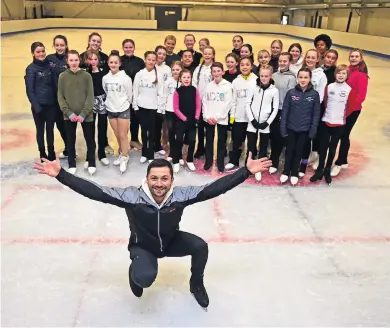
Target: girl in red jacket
358,81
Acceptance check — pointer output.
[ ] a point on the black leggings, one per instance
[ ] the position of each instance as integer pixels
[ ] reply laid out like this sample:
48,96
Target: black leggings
238,137
144,266
44,121
182,129
296,141
102,133
329,138
60,123
89,136
277,141
171,119
134,125
158,133
345,142
252,144
147,119
221,144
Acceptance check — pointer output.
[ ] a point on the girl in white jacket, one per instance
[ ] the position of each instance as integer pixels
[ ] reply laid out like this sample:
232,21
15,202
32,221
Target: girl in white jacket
216,103
118,88
262,105
170,86
319,82
148,99
161,125
244,84
200,80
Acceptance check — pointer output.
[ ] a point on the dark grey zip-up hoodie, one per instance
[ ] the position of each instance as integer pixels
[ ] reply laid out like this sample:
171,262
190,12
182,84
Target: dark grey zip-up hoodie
284,81
153,226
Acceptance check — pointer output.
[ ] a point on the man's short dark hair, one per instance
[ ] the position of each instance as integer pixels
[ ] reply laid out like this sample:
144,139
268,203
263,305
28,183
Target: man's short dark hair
160,162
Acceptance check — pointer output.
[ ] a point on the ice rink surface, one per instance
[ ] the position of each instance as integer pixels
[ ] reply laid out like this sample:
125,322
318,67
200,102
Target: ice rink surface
309,256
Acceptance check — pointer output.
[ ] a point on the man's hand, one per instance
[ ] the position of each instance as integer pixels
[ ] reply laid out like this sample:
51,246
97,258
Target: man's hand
212,121
49,168
257,165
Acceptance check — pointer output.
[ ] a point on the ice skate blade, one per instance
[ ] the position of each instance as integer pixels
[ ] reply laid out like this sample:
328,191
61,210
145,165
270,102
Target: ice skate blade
204,308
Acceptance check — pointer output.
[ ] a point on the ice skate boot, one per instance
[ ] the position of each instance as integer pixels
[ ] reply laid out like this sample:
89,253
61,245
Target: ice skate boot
176,168
272,170
328,176
199,292
317,176
191,166
137,290
123,164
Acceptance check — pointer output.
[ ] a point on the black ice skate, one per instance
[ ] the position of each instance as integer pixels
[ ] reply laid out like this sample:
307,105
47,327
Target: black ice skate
199,292
137,290
318,175
328,177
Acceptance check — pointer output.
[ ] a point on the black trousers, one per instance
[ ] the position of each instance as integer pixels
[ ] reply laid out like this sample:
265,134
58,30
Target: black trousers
329,139
102,133
189,130
147,119
158,133
296,141
60,123
316,144
252,144
277,141
221,144
89,136
345,143
144,266
44,121
134,125
238,137
201,128
171,120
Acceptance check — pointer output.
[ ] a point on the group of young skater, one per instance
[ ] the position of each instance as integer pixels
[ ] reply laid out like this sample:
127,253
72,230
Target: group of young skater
305,102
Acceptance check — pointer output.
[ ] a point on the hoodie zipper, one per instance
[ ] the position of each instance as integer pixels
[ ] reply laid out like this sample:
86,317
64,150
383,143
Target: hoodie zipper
158,229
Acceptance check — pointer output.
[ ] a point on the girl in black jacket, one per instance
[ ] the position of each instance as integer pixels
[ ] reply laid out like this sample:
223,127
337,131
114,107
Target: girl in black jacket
41,89
299,122
132,64
58,63
95,44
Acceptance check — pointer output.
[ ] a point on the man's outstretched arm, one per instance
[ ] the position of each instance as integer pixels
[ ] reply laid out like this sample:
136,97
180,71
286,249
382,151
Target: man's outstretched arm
116,196
196,194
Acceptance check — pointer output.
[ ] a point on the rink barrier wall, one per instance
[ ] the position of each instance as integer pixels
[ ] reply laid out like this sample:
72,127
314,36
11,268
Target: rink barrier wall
372,45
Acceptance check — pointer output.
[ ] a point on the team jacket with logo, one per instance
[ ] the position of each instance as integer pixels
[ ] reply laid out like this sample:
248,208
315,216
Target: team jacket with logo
339,101
241,88
301,111
216,101
153,226
119,90
170,86
146,93
204,78
262,105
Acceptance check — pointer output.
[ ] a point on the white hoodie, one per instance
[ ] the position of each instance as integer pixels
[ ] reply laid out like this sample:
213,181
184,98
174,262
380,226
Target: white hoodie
262,105
147,94
119,90
319,81
297,66
204,78
240,93
164,70
216,101
170,85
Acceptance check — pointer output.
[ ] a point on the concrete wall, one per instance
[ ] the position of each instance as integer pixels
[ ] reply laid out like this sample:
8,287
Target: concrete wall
12,9
234,15
94,10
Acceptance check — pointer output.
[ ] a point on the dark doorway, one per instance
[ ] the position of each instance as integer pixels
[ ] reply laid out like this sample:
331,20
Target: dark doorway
319,25
167,17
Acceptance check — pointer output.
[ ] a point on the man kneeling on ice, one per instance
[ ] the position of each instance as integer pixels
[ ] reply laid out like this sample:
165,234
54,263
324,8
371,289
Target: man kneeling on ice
154,211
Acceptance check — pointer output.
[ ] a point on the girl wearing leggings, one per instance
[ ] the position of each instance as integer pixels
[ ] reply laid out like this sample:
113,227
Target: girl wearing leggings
358,81
339,103
58,62
148,99
41,81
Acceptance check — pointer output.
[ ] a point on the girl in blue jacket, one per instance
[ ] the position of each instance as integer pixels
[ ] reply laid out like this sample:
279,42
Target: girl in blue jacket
41,89
299,122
